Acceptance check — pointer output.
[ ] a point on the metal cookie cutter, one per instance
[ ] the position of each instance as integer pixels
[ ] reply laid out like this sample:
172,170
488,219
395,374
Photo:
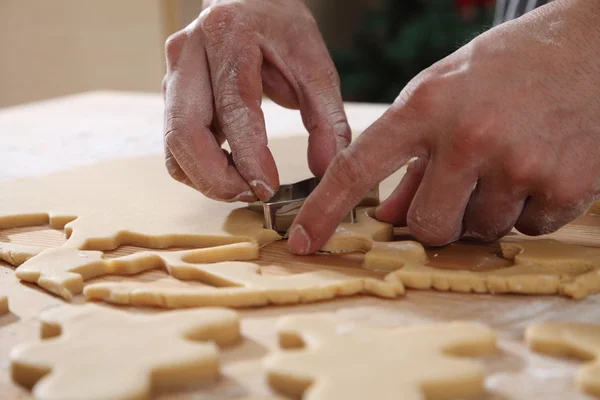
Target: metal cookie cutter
281,209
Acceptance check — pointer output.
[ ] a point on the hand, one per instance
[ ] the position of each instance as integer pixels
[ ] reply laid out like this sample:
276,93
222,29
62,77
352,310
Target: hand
217,69
506,132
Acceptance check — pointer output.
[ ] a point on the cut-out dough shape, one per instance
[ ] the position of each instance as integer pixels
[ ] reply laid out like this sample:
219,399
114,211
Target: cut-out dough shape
570,339
241,284
62,270
131,353
359,236
3,305
351,362
16,254
540,267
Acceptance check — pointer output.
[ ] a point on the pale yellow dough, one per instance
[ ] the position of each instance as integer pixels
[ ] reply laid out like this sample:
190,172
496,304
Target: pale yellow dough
3,305
62,270
137,353
540,267
332,360
359,236
565,339
132,201
17,254
238,284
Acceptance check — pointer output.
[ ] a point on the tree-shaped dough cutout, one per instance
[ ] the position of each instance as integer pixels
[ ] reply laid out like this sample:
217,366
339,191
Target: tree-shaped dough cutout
331,360
92,352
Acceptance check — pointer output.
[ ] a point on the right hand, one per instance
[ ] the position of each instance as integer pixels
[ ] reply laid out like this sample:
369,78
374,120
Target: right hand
217,69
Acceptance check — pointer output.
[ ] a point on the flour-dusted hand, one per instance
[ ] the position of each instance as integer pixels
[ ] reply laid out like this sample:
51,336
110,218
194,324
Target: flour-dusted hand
217,69
506,131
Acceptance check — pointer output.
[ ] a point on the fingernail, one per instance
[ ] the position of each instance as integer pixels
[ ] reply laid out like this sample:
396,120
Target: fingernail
248,196
299,241
262,190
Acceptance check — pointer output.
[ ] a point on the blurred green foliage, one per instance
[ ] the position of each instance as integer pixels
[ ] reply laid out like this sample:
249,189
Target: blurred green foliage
394,43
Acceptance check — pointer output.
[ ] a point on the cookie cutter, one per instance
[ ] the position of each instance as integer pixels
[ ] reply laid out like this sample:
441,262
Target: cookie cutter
281,209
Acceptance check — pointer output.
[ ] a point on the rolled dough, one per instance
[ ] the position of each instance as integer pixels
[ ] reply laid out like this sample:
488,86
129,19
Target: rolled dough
62,270
540,267
570,339
238,284
332,360
131,353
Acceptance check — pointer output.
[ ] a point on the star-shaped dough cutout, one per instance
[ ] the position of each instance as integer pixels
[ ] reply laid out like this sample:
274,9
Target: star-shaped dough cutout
328,360
131,353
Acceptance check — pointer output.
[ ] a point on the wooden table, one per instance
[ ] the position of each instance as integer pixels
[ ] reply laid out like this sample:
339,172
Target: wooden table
64,133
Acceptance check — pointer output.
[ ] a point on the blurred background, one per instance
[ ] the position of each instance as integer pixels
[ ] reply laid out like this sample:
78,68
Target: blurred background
51,48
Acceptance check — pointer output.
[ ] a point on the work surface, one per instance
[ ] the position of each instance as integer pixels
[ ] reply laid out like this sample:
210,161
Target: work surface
65,133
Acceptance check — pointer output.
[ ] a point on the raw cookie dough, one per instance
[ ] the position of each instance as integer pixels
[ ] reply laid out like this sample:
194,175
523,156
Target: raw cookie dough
92,352
570,339
16,254
3,305
241,284
335,361
127,202
359,236
540,267
62,270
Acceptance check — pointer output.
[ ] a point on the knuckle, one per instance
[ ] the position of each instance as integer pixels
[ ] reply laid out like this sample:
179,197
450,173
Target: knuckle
232,111
322,79
525,170
348,171
174,46
421,94
172,132
173,168
219,19
473,134
163,85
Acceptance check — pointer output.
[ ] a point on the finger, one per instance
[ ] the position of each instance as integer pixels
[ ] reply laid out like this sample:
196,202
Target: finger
235,61
352,173
321,105
188,116
175,170
277,87
394,209
541,216
493,210
436,213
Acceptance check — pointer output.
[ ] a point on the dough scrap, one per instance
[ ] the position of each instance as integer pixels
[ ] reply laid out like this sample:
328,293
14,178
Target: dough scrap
137,352
540,267
570,339
394,255
127,202
16,254
335,361
3,305
359,236
241,284
62,270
